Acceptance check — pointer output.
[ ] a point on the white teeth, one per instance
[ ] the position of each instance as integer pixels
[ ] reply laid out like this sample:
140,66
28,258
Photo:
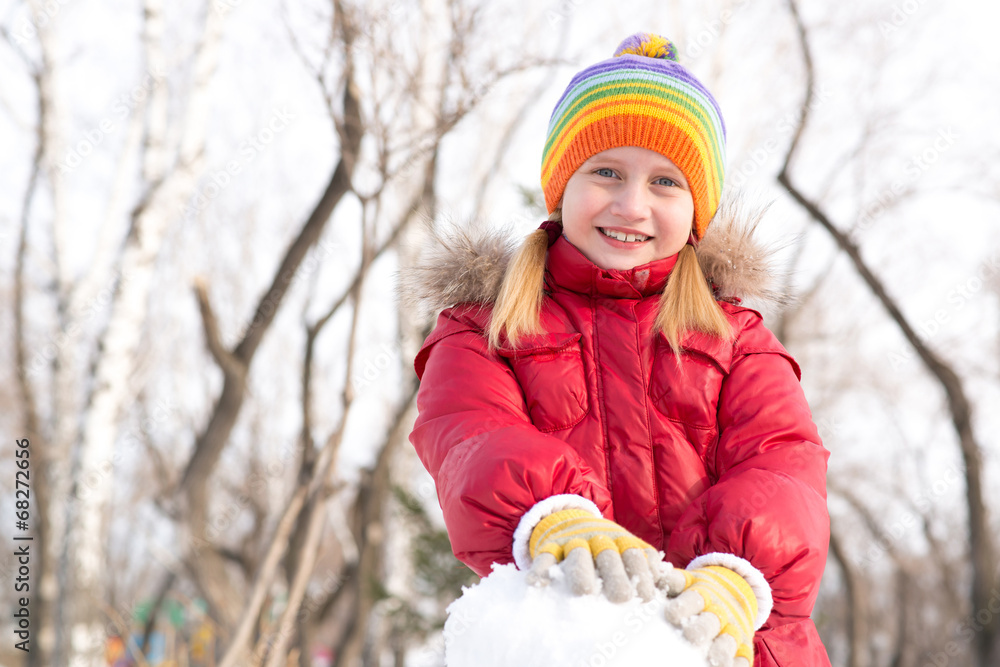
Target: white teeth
622,236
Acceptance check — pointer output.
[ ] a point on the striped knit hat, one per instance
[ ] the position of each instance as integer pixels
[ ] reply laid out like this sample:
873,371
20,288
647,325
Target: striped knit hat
640,97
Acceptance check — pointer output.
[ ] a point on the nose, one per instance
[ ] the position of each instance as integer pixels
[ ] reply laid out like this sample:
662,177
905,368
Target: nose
631,202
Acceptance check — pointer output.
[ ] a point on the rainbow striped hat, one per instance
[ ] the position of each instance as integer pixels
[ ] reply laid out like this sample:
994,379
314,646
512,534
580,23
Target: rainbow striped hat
640,97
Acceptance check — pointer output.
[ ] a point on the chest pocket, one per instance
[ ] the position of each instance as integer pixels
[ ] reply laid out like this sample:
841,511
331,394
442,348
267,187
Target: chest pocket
550,370
686,391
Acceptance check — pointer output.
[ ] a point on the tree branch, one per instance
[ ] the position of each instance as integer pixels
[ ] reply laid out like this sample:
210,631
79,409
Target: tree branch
306,565
265,577
854,591
230,364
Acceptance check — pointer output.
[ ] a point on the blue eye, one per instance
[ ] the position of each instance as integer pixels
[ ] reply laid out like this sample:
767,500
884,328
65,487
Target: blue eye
604,171
666,181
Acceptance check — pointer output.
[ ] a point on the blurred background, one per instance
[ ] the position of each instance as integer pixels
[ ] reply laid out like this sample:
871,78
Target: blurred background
204,208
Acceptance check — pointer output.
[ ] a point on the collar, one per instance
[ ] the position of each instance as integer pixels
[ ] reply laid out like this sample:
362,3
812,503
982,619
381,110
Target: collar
569,269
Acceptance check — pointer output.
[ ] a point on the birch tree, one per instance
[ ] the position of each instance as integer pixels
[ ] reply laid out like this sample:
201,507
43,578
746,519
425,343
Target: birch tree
50,529
60,500
170,180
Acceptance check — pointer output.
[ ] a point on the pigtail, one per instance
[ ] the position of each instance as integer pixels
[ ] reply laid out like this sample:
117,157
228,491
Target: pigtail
687,303
518,306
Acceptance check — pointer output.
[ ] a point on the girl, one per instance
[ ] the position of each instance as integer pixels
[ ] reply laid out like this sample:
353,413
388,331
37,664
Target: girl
605,407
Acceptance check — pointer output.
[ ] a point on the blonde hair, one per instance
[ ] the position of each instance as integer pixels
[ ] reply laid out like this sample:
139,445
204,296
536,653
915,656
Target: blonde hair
687,303
518,306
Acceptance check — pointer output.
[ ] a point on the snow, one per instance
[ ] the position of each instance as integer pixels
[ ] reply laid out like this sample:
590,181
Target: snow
503,621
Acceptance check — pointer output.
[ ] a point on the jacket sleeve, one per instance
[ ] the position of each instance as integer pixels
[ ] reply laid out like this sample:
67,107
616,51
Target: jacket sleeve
474,436
768,505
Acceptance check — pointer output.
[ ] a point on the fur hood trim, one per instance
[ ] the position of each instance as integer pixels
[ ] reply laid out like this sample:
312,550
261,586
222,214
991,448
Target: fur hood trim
467,264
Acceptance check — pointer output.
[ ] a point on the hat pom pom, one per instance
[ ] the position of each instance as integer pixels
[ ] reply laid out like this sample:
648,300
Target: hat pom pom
649,45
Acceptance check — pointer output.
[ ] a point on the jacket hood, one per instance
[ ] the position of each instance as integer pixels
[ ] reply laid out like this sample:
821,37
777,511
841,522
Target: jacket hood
467,263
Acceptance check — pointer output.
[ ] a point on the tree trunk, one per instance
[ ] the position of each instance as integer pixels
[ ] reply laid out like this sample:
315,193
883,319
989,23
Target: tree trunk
207,564
373,495
857,604
94,483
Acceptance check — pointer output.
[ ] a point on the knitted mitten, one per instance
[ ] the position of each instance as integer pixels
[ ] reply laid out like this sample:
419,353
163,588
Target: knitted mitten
588,548
715,607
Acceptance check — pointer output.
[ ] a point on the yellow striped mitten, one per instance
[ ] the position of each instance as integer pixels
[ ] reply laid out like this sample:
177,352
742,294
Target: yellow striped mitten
716,593
590,547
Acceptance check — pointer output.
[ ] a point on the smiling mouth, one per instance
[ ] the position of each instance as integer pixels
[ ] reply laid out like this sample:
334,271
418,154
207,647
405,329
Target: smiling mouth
622,236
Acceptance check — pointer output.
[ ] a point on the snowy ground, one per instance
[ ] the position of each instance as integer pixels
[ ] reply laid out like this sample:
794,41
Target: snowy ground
502,622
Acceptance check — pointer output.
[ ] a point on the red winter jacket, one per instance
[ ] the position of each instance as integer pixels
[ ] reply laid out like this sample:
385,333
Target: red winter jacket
715,452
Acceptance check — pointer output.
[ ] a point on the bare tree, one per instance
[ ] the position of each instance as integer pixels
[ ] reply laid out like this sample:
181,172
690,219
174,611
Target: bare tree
982,549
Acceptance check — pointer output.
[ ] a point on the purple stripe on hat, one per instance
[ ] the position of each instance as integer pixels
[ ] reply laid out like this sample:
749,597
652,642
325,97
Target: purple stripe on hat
656,66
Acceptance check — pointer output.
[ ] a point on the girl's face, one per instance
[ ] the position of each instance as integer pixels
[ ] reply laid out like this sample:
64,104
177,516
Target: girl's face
627,206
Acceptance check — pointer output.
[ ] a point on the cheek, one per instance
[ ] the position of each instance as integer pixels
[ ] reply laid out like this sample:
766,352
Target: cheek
684,217
577,212
573,228
675,226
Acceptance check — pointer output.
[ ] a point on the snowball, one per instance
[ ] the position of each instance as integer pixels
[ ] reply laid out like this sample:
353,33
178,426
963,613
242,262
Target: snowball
502,621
